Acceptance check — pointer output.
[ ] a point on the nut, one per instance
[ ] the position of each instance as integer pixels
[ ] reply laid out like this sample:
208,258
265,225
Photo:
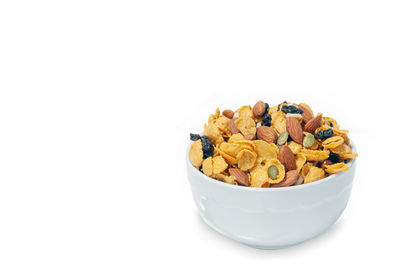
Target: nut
307,115
232,127
267,134
325,163
259,109
228,113
291,177
313,124
294,129
286,157
239,176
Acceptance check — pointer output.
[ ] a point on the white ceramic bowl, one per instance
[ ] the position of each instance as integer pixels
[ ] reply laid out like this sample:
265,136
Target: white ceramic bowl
271,218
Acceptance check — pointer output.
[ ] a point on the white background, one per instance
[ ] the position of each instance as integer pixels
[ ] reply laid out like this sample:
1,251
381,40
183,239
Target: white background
97,99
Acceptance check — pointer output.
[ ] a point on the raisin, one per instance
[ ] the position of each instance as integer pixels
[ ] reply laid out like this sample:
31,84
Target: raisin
207,146
324,134
266,108
194,137
279,106
267,120
334,157
291,109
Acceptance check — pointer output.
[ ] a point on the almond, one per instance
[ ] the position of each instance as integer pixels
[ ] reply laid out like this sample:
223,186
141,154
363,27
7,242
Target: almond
232,127
228,113
307,116
259,109
307,107
250,137
313,124
286,157
294,129
325,163
240,176
291,177
267,134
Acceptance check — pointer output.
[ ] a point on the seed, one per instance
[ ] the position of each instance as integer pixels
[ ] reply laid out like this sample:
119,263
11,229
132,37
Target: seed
308,141
273,171
283,138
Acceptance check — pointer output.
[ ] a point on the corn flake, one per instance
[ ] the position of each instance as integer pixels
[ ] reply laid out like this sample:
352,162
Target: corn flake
300,161
196,153
295,147
249,144
213,117
312,155
246,159
342,149
266,150
258,178
281,171
245,112
226,178
333,142
348,156
213,133
255,156
219,165
314,174
305,169
230,148
246,125
336,168
278,121
230,159
330,122
235,137
207,166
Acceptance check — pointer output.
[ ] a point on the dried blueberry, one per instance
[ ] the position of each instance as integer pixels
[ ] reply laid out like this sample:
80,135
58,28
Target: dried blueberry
291,109
324,134
194,137
333,157
266,108
207,146
267,120
279,106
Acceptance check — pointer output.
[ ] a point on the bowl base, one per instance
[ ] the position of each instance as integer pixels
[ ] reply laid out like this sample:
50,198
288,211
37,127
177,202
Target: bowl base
269,247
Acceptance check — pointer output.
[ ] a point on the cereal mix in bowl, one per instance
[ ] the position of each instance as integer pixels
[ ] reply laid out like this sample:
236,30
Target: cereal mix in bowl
268,147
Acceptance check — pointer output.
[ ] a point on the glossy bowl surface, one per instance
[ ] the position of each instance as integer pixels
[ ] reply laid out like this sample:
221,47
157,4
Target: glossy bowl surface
271,218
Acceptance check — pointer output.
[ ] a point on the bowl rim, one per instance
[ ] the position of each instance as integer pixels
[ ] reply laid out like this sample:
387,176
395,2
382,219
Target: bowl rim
351,164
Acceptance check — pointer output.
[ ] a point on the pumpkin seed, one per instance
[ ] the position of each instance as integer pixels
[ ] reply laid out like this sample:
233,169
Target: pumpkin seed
308,141
273,171
283,138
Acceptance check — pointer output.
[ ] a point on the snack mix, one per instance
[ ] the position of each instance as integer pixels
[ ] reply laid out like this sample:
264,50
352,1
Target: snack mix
266,146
